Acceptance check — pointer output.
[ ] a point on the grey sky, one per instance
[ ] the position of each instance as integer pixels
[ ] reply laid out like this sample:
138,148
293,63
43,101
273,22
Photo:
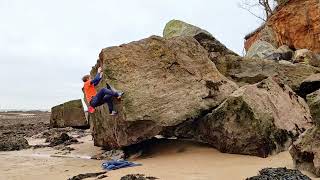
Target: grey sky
46,46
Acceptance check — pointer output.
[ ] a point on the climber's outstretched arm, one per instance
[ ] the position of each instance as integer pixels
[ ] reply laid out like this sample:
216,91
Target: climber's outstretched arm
98,77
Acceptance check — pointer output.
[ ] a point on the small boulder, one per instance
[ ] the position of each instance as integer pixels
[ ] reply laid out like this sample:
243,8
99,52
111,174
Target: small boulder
259,119
137,177
282,53
69,114
13,143
306,56
313,101
175,28
59,139
279,174
305,151
309,85
89,175
260,49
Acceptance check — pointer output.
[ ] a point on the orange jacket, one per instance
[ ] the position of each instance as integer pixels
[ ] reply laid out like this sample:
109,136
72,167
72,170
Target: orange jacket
89,90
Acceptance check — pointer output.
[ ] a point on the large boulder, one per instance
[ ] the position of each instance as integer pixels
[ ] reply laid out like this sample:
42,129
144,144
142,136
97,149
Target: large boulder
259,119
295,23
260,49
166,82
175,28
249,71
305,151
313,101
68,114
309,85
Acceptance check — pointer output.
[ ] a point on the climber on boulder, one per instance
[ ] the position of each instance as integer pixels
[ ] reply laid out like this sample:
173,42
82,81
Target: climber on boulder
105,95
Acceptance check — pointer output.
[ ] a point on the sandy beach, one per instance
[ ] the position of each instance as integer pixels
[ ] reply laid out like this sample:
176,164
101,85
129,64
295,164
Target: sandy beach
167,159
170,160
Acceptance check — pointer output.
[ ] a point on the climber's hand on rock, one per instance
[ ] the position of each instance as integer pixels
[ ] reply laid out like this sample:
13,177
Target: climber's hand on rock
99,70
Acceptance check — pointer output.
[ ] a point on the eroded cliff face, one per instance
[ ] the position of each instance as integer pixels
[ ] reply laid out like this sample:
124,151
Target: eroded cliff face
296,24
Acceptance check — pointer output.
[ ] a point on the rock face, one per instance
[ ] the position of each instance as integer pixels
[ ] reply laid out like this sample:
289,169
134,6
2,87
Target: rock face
258,119
13,143
313,100
306,151
296,24
69,114
249,71
166,82
309,85
176,28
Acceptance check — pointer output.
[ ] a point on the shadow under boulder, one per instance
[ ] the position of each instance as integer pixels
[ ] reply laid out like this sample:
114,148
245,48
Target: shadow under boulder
309,85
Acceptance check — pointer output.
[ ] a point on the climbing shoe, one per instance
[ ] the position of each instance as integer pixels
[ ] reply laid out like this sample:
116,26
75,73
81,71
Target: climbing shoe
113,113
91,109
120,94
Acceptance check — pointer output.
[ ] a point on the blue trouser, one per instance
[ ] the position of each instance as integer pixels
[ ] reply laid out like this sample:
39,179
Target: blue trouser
104,96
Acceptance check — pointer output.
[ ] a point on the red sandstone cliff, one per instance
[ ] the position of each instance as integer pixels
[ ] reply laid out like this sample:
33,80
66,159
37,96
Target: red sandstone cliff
296,24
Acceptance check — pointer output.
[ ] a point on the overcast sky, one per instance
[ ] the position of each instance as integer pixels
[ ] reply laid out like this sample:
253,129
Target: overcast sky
46,46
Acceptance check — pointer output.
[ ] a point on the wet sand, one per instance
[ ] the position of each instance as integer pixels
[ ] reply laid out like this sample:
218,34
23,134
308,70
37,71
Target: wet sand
171,160
168,160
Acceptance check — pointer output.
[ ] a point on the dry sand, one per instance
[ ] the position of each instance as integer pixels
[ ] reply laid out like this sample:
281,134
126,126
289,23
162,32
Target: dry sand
171,160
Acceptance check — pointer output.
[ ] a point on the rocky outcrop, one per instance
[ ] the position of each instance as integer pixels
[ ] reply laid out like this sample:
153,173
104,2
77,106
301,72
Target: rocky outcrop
69,114
280,174
313,101
98,175
176,28
137,177
309,85
259,119
13,143
62,138
166,82
305,151
249,71
295,23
